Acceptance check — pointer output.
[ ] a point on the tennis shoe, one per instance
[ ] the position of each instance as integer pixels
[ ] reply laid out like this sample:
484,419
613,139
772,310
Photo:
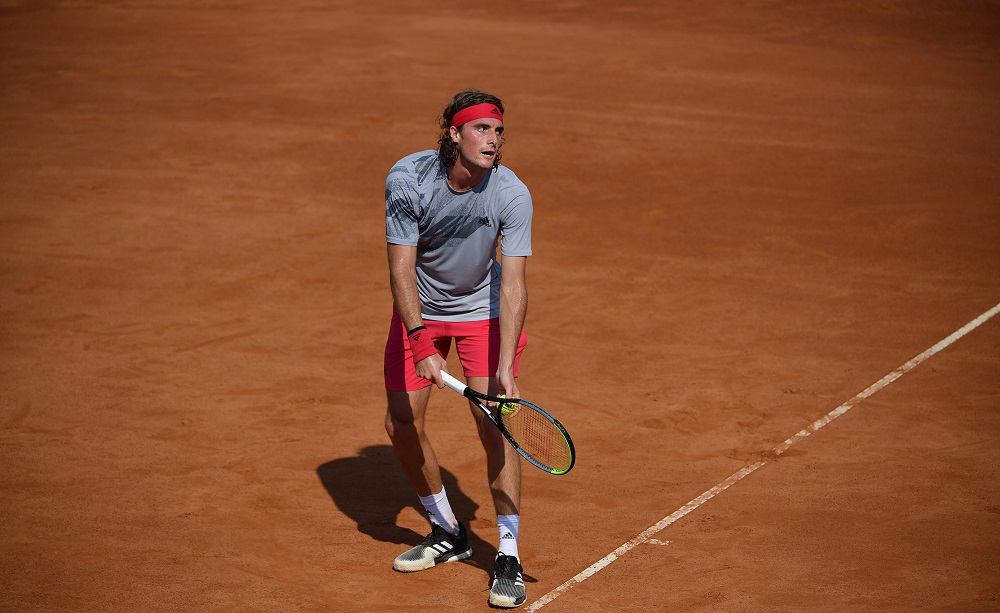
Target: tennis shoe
507,589
440,546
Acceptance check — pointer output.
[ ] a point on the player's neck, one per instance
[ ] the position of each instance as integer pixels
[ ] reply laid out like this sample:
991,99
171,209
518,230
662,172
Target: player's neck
462,177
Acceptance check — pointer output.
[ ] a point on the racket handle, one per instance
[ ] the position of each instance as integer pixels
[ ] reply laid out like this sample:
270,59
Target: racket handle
453,383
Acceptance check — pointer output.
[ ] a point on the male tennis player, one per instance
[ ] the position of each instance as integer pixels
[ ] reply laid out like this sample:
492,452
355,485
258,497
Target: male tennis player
446,211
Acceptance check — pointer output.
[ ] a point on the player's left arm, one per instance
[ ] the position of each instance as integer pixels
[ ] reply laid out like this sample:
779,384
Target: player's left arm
513,309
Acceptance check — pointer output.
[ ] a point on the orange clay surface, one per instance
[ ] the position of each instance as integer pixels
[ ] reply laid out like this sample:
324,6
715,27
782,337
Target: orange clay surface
746,214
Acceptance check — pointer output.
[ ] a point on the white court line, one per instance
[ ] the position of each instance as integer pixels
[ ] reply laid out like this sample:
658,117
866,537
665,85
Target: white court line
739,475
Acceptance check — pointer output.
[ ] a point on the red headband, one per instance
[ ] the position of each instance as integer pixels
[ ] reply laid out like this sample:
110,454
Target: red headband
476,111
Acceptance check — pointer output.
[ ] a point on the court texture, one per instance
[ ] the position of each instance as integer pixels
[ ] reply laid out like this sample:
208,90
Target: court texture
763,300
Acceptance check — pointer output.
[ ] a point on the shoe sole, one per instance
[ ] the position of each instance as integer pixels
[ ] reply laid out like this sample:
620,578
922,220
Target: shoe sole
506,602
418,565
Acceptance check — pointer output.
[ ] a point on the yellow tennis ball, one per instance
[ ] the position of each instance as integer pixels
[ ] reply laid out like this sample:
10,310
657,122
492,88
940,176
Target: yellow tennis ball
507,408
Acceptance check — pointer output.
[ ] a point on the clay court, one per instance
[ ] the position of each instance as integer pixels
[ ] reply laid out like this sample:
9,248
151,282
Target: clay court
749,218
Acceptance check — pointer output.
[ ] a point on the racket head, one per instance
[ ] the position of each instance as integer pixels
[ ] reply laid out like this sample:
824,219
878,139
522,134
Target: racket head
532,431
537,436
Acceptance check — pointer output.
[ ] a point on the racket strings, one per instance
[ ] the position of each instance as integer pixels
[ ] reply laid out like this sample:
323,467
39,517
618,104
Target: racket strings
538,436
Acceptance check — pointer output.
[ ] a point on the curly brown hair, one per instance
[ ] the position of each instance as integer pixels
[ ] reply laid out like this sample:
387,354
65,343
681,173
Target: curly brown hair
447,149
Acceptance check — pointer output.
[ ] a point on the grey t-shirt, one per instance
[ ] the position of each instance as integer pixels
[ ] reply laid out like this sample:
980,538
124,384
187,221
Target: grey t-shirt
456,234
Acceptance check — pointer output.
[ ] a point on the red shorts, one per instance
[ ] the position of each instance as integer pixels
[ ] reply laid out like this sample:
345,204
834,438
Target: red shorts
478,344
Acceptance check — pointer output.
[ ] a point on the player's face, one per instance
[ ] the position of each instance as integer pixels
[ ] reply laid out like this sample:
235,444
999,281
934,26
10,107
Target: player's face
479,141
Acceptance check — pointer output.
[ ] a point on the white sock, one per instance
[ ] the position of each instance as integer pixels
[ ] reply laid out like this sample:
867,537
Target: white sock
439,510
508,526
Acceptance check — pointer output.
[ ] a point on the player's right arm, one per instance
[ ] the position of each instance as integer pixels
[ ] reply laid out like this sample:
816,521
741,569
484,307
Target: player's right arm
403,283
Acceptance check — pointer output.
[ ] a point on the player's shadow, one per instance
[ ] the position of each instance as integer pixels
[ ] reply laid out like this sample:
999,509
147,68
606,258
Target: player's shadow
371,490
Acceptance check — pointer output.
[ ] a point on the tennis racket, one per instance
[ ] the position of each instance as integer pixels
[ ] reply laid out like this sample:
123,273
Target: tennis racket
535,434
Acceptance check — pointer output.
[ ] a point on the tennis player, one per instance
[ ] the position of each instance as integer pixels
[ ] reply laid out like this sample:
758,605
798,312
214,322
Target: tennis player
446,213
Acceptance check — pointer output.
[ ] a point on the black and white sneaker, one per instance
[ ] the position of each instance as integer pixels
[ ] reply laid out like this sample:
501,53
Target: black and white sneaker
440,546
507,589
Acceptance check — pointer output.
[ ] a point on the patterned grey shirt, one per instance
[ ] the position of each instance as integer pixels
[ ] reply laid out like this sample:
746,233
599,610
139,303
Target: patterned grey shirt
456,234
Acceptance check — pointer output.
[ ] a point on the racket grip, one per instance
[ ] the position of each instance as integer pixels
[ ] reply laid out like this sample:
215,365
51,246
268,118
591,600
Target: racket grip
453,383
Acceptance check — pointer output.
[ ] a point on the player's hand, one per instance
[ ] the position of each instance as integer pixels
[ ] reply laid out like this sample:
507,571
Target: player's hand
430,368
507,383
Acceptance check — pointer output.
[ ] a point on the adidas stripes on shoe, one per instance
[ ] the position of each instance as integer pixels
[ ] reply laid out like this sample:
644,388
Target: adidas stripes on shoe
507,587
440,546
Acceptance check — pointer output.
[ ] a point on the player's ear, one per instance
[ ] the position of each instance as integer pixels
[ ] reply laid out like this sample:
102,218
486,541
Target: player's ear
455,133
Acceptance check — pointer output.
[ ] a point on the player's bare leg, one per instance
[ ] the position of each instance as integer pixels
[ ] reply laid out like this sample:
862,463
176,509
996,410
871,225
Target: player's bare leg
504,471
503,464
448,540
404,423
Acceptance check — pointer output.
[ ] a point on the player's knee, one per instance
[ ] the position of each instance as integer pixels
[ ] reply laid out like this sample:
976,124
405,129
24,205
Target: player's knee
393,426
490,435
400,429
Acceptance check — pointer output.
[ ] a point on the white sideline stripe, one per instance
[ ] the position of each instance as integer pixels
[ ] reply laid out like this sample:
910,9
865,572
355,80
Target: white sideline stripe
739,475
